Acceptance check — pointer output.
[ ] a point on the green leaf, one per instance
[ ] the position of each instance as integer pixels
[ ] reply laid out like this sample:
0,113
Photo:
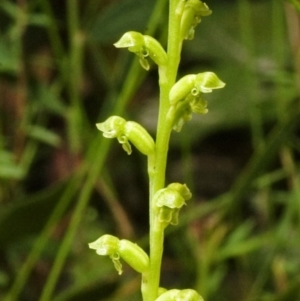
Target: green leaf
43,135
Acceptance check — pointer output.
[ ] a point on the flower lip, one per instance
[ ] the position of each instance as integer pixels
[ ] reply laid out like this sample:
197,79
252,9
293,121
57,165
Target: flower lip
102,251
110,134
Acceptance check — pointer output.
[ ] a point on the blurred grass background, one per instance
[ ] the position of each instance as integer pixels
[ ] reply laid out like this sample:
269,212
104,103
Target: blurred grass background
63,185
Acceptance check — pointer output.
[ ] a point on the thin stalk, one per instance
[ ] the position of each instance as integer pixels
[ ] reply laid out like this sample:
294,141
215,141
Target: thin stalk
167,77
53,33
76,111
247,37
283,102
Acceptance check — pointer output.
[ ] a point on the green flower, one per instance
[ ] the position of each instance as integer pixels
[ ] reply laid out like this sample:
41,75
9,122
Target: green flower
186,96
108,245
114,248
125,131
169,201
144,47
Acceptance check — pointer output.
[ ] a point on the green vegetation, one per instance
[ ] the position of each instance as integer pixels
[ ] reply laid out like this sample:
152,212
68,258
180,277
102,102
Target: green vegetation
62,184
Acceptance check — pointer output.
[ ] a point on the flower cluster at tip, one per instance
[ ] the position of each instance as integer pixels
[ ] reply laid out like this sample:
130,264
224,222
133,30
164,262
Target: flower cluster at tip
169,201
186,96
193,10
115,248
180,295
125,131
144,47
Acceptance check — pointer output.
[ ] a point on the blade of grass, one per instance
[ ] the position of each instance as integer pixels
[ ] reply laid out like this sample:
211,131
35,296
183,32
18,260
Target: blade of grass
43,238
247,38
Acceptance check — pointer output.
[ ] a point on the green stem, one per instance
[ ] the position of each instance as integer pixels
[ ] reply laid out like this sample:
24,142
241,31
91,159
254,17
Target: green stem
248,39
74,75
167,77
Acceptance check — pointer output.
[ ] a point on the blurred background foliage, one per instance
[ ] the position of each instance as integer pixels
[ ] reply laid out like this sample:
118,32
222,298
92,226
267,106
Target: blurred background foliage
63,185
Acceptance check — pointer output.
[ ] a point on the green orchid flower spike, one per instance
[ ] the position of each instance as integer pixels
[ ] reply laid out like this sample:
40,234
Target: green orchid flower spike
177,102
186,96
144,47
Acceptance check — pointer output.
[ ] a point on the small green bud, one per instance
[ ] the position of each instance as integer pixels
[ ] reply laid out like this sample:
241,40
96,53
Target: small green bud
143,46
156,51
139,137
193,11
105,245
182,88
133,255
